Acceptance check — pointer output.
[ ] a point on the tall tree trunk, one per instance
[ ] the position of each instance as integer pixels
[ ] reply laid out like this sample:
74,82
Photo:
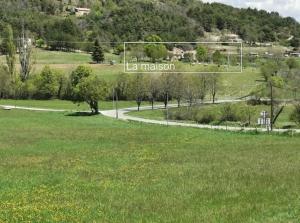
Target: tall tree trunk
214,97
138,102
94,107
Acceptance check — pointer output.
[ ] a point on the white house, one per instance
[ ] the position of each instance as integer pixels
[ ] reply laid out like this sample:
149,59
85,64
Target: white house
178,54
82,11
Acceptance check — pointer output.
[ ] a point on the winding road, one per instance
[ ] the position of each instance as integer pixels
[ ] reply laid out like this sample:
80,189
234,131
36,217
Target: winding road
122,115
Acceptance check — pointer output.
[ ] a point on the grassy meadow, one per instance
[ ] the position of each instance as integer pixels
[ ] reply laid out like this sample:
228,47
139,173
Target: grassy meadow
55,167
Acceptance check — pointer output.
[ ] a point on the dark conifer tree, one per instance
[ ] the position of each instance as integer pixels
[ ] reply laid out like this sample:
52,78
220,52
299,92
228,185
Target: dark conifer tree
97,55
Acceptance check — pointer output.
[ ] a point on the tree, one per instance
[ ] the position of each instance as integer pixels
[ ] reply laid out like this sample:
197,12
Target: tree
97,55
202,86
294,81
152,89
92,89
10,50
155,50
137,89
228,113
47,84
247,113
25,56
213,85
217,57
177,88
295,42
201,53
76,78
292,63
295,115
121,86
119,49
137,52
165,87
272,79
4,82
190,89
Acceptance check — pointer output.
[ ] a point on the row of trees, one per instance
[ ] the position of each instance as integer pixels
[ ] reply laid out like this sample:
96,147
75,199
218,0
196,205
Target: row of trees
83,85
166,87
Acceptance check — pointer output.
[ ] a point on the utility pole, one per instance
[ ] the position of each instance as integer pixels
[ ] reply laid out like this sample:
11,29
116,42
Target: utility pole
167,108
117,111
115,102
228,62
272,106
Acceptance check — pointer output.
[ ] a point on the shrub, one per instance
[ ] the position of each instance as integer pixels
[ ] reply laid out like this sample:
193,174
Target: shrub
295,115
46,84
228,113
205,118
182,114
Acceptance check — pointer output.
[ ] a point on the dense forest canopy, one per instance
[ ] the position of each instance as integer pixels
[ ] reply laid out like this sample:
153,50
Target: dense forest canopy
133,20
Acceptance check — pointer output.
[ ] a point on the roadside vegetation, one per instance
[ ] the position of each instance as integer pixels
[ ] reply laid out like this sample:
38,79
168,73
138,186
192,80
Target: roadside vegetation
242,114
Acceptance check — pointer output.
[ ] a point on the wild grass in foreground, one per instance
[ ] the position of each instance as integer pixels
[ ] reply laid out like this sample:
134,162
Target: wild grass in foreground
58,168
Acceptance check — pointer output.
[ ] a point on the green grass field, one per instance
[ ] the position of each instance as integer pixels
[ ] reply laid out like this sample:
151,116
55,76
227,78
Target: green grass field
60,168
65,105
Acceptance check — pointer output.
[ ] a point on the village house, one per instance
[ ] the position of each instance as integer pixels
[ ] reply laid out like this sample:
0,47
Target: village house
292,53
82,11
295,54
233,38
179,54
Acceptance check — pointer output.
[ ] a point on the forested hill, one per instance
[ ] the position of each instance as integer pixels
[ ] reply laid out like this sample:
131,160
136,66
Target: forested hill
132,20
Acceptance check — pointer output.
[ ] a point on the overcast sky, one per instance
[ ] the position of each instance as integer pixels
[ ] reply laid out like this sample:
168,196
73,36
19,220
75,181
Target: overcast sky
284,7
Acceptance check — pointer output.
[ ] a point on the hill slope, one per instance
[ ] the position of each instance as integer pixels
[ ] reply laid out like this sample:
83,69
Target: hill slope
127,20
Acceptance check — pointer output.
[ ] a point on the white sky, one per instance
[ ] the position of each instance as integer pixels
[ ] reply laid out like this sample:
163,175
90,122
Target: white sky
283,7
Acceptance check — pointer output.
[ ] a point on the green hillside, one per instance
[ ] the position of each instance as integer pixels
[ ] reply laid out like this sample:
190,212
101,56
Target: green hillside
124,20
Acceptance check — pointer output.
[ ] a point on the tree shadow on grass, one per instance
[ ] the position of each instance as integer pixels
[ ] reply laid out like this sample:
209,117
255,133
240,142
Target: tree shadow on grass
81,114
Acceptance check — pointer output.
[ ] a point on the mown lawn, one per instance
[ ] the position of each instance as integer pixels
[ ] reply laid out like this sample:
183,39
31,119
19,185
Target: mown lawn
60,168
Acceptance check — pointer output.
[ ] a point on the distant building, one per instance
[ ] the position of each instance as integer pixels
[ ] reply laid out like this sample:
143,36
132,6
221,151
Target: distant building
295,54
253,54
289,53
179,54
82,11
233,38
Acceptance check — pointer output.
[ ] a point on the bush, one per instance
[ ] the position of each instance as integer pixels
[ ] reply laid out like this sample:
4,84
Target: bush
295,116
205,118
182,114
228,113
46,84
